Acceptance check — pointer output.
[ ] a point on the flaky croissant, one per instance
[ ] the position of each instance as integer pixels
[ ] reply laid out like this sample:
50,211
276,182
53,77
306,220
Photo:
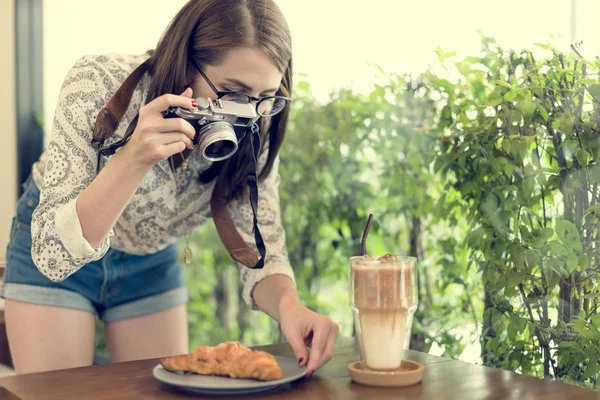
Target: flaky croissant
226,359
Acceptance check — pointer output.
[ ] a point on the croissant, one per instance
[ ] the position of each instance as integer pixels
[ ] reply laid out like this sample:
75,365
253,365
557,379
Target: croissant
230,359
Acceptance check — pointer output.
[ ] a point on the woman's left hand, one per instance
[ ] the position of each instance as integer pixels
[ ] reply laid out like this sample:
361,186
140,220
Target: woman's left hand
303,327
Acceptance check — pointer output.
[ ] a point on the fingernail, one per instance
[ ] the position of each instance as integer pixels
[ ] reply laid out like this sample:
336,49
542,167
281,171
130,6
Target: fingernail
309,374
194,104
300,361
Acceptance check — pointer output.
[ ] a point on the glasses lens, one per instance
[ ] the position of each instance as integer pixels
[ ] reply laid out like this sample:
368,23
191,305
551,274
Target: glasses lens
237,97
271,106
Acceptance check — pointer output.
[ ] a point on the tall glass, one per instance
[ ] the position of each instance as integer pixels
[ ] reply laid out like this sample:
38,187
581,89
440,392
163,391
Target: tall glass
383,298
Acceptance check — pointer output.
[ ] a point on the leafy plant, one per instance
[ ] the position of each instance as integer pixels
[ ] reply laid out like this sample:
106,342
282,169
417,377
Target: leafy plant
520,144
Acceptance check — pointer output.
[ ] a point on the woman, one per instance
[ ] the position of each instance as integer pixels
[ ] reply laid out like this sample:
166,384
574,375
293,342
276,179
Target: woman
96,236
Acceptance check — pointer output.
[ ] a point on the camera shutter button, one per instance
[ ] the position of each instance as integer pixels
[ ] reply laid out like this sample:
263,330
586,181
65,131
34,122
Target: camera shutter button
202,103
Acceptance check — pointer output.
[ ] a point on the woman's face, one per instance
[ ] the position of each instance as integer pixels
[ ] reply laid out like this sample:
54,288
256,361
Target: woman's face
245,70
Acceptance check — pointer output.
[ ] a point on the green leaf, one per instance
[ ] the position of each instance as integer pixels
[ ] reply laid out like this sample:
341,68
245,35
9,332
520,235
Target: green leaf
590,334
552,276
566,345
509,169
593,209
569,234
442,55
566,123
572,262
579,326
582,157
545,46
558,249
507,145
595,319
533,259
546,233
584,261
513,327
543,113
539,243
512,95
462,160
595,173
591,371
535,159
493,101
594,90
527,107
303,86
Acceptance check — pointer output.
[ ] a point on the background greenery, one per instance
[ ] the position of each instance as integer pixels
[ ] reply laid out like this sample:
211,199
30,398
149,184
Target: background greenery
487,172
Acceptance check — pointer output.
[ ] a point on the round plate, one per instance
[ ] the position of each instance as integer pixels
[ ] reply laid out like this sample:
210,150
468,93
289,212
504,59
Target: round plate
409,373
219,385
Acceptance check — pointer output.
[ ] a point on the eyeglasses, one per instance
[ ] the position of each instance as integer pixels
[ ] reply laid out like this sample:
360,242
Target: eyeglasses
265,106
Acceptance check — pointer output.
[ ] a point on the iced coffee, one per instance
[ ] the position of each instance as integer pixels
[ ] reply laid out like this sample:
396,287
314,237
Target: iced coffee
383,299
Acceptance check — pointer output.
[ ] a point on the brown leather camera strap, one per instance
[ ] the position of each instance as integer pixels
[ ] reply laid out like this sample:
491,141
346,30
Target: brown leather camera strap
235,245
108,120
110,116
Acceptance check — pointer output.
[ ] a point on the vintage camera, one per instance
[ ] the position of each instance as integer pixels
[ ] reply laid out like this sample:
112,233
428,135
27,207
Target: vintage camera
220,125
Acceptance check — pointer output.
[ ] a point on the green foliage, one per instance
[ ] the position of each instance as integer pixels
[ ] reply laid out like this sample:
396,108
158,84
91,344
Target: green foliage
520,144
359,154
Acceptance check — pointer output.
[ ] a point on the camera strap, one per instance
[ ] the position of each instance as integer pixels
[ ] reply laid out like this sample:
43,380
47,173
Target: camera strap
253,186
233,242
108,120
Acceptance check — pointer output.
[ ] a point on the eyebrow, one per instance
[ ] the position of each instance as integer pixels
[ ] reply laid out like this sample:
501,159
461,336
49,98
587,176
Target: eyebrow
246,87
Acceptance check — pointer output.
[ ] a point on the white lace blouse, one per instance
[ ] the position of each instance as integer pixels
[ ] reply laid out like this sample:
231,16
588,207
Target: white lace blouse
165,207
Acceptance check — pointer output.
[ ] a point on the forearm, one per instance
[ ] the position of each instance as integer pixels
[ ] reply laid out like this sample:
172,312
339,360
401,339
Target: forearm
101,204
273,293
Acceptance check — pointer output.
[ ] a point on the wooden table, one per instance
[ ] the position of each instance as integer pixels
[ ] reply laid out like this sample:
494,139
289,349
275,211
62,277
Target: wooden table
443,379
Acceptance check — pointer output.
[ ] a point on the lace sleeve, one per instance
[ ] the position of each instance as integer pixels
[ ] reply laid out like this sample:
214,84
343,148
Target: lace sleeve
58,246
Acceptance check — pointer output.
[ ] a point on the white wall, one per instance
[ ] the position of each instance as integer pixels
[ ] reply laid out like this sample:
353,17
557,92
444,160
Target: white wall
333,40
73,28
8,128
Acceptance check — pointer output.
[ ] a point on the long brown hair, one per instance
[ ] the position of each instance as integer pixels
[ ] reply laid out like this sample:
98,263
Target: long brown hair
201,34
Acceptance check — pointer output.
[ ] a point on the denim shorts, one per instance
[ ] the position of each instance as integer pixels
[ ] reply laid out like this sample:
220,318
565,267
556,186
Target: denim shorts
116,287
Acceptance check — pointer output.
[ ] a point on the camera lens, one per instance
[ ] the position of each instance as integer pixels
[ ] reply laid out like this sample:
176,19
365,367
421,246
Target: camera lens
217,141
219,149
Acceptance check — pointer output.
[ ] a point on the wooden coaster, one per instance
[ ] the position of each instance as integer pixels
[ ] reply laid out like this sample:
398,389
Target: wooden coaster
409,373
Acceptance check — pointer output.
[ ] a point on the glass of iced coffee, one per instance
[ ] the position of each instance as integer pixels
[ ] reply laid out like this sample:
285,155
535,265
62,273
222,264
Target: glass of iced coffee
383,297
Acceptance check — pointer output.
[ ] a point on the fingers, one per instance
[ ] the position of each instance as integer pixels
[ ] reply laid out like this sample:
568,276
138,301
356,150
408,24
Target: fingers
333,335
173,137
176,125
297,343
308,339
156,138
319,342
187,92
173,148
325,336
161,146
165,101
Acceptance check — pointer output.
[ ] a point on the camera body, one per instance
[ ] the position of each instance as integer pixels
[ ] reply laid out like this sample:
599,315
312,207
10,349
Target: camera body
220,125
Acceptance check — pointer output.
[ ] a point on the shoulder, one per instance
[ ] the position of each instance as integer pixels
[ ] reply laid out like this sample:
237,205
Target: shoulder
105,72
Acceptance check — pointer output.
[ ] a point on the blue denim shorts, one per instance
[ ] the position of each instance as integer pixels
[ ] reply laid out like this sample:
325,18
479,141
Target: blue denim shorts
118,286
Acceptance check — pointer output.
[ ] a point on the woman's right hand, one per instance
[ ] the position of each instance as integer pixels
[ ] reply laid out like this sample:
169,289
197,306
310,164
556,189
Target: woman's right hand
156,138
